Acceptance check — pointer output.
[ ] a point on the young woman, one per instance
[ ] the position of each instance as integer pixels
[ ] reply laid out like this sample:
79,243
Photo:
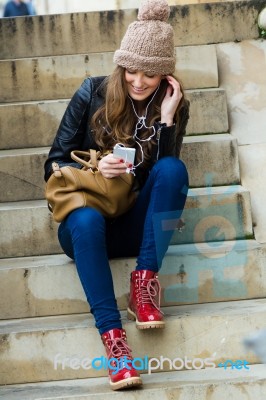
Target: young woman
140,105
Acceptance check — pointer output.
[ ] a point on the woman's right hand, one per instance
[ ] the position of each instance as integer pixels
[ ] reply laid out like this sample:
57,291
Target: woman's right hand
171,100
110,167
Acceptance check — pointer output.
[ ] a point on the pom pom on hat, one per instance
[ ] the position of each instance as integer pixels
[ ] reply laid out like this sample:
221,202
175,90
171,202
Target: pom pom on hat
154,9
148,44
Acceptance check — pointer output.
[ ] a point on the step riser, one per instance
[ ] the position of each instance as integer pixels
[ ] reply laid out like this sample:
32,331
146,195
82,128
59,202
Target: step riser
211,163
30,125
28,231
203,214
225,210
208,112
83,32
188,275
218,383
21,172
30,356
58,77
22,177
35,124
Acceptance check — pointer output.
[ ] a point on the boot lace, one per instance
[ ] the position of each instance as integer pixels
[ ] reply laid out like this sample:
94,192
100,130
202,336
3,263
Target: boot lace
150,293
118,348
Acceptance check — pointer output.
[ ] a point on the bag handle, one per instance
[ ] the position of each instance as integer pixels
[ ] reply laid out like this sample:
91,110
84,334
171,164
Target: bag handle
92,155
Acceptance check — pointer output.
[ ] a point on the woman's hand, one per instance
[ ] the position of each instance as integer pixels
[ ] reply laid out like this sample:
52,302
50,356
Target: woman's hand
110,167
171,100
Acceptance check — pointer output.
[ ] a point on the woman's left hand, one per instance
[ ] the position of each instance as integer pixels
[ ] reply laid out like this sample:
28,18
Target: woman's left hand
171,100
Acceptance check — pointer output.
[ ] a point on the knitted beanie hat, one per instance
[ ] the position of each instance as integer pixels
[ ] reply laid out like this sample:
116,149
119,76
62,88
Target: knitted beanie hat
148,44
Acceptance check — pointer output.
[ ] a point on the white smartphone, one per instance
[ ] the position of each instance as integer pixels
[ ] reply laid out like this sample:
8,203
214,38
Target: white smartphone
124,153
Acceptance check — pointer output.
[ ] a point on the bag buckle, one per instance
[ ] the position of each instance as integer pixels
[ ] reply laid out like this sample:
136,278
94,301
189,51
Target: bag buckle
56,170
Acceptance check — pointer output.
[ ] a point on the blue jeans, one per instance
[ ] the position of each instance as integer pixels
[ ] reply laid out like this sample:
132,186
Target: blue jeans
91,240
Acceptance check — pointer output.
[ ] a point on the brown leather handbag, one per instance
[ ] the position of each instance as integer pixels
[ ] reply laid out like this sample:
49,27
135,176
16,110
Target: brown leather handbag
69,188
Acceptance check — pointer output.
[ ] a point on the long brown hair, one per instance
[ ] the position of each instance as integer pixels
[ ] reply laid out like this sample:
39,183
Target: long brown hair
115,121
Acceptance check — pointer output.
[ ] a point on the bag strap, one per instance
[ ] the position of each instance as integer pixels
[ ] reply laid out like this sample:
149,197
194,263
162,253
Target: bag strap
95,157
92,158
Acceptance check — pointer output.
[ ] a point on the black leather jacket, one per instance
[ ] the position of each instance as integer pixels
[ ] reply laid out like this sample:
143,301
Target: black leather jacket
74,132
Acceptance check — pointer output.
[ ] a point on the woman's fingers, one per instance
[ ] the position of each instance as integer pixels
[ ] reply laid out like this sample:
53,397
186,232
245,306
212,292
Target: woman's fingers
171,100
175,86
110,166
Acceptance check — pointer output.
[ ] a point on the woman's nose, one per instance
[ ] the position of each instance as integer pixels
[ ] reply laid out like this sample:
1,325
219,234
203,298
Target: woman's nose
138,80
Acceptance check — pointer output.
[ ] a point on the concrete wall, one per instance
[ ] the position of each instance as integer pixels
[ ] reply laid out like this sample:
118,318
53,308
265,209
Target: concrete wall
102,31
69,6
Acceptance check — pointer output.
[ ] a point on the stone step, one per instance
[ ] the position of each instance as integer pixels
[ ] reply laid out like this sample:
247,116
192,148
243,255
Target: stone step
208,111
34,124
211,214
211,160
219,382
48,78
35,349
190,274
77,33
22,174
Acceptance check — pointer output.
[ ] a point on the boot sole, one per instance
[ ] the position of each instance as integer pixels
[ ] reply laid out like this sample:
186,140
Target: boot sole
144,325
126,383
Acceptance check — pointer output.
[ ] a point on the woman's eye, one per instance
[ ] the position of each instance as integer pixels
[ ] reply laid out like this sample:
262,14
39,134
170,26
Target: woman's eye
130,72
150,75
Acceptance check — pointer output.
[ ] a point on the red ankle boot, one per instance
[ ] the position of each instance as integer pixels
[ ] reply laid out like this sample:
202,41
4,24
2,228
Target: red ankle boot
122,375
144,300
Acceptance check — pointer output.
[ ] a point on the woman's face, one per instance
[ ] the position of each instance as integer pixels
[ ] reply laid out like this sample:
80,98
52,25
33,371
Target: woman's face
141,85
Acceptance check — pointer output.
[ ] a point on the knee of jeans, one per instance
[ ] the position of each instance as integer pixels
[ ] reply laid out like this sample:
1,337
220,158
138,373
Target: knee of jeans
85,219
172,169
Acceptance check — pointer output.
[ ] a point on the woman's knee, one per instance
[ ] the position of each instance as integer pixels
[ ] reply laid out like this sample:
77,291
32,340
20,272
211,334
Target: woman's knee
82,228
173,169
85,219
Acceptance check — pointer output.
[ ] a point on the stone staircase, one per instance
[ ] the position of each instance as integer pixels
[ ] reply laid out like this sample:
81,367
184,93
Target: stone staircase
213,276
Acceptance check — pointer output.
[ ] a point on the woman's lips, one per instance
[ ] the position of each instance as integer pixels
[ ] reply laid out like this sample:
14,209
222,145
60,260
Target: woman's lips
137,90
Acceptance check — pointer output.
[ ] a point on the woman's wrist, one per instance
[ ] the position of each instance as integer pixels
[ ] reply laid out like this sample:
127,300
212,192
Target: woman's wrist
167,121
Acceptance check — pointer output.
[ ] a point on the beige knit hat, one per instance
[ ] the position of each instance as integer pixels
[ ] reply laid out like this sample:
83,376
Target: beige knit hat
148,44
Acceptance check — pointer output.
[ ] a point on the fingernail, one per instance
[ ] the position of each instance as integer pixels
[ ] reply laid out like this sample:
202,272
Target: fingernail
130,165
121,160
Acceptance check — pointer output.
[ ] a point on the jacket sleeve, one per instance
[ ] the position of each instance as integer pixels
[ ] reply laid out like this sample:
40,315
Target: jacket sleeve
72,129
171,138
